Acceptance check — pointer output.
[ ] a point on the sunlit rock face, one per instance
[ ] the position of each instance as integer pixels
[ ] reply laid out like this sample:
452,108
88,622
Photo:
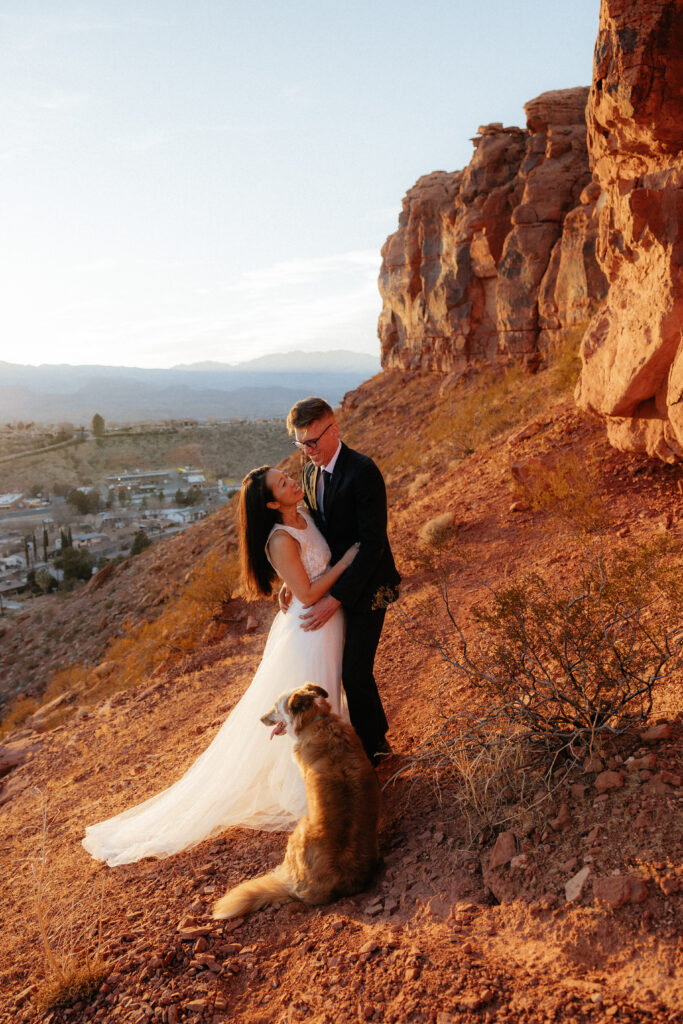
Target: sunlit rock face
632,354
496,259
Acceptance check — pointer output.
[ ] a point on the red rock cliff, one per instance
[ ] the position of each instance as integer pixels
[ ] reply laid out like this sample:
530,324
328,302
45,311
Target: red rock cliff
632,354
498,258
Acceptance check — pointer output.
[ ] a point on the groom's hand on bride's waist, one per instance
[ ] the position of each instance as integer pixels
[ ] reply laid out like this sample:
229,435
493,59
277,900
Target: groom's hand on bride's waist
284,598
316,615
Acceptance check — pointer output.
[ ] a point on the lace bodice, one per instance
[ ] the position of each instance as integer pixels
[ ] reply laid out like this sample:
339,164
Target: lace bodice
315,554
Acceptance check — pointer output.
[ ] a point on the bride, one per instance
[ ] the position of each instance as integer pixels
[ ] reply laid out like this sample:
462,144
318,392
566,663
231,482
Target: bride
242,778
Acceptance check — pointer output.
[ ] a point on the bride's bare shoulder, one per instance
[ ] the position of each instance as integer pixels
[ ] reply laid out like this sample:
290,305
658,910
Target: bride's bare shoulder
281,542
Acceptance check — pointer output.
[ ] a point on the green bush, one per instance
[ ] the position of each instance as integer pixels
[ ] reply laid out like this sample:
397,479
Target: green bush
140,542
76,563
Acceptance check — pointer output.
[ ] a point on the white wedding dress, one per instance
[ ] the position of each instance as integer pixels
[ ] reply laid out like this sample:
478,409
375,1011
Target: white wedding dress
243,777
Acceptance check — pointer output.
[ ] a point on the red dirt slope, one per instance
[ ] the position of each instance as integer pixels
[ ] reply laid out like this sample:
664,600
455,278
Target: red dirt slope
443,935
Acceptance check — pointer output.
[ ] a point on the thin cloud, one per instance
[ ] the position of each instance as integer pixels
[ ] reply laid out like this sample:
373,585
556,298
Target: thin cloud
250,128
337,309
59,101
302,272
145,142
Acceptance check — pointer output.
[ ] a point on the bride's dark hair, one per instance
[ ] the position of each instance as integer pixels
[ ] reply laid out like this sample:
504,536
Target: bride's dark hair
256,521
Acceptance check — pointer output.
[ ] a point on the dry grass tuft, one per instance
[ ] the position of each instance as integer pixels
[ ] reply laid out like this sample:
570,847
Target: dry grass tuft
565,487
20,710
72,985
437,531
143,647
469,413
563,360
74,965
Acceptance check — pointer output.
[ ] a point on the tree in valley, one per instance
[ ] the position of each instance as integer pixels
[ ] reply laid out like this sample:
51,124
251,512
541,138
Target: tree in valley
85,501
76,564
44,579
191,496
98,425
140,542
65,431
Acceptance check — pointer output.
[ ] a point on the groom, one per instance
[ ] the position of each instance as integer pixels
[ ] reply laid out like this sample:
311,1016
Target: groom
345,492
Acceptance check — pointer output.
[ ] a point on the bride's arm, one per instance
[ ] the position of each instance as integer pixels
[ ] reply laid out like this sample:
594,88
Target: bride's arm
285,556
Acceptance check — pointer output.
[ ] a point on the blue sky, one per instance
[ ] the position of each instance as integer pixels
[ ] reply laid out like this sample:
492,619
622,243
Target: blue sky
214,180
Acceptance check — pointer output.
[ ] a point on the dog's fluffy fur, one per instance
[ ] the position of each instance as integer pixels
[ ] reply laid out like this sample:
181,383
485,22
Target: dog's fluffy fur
333,850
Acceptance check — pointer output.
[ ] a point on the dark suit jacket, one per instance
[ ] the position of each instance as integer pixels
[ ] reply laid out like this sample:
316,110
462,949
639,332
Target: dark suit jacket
355,505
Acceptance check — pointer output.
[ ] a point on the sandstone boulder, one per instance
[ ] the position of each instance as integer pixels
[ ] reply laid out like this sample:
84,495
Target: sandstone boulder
13,754
632,354
656,733
504,850
618,890
609,780
573,888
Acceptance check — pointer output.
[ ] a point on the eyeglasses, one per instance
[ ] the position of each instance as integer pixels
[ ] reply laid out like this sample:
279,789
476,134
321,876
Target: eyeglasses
311,443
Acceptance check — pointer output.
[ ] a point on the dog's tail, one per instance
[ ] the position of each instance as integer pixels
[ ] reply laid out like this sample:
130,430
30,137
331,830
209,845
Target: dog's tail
254,894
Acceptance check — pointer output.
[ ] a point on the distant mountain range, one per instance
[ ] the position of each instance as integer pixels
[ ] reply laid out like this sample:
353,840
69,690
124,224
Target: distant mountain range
266,386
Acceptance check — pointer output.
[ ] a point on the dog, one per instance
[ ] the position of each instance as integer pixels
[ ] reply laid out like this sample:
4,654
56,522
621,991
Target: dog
333,850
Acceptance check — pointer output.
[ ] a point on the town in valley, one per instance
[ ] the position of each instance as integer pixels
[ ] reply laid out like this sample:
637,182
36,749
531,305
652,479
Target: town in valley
73,499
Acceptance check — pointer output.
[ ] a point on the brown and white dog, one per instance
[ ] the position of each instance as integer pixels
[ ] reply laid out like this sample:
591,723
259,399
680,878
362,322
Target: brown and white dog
333,850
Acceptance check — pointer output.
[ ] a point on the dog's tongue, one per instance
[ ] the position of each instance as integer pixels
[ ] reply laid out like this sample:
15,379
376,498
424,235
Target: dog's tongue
278,730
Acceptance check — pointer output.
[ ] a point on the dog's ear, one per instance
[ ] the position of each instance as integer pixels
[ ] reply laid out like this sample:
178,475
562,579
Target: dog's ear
317,690
300,701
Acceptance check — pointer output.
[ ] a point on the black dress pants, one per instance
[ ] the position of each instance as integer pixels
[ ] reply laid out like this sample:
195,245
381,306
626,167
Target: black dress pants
363,629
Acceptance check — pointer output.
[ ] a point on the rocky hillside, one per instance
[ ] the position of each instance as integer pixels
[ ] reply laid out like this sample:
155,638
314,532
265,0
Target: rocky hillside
570,908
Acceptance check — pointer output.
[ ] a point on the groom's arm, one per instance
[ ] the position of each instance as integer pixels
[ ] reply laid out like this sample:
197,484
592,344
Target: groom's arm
370,501
370,514
369,498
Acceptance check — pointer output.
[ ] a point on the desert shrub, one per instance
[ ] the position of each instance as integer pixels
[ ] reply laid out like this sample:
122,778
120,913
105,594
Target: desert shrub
551,670
214,581
72,983
436,531
566,487
479,769
75,679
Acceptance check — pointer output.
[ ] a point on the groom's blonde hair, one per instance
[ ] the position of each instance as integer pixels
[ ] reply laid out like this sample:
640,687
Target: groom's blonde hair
307,411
